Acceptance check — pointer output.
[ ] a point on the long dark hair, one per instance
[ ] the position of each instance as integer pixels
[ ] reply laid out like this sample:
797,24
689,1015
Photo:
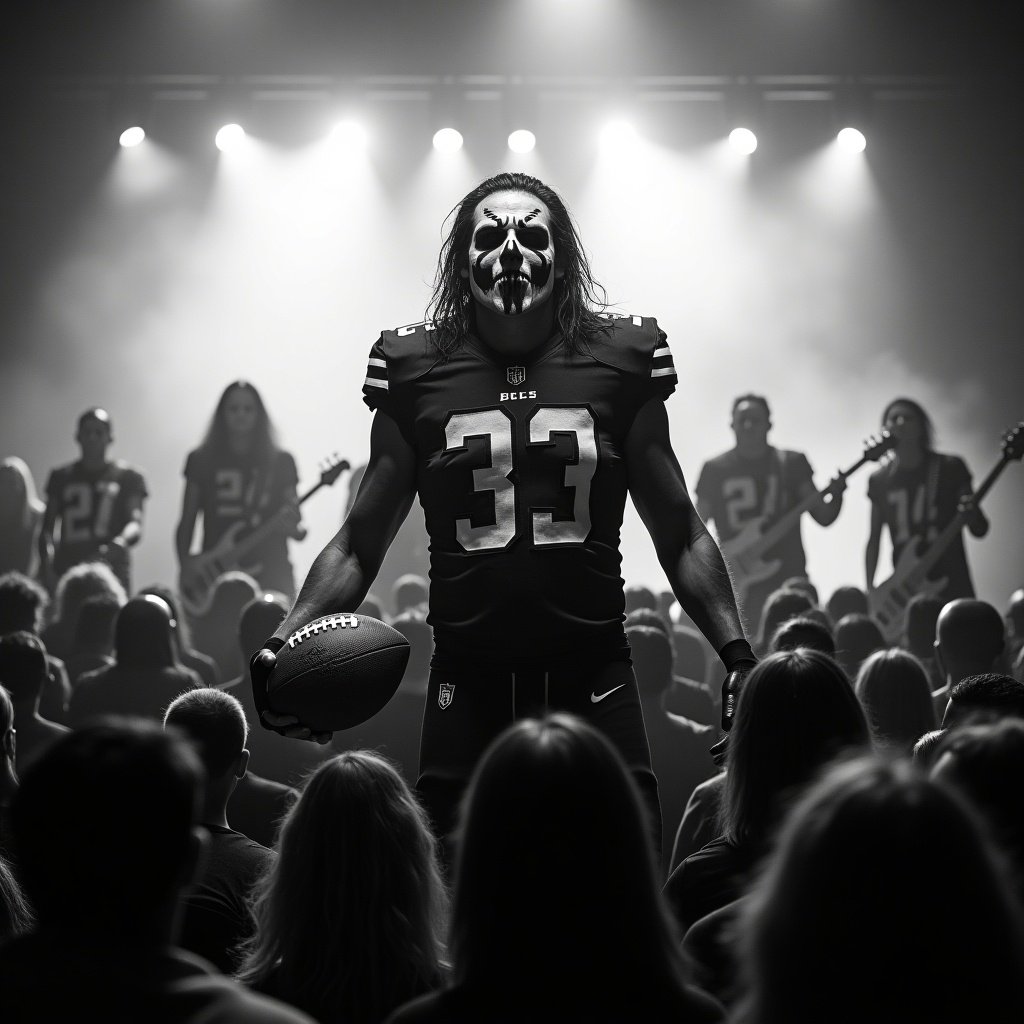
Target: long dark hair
927,427
884,901
351,914
556,887
264,435
577,296
797,711
142,634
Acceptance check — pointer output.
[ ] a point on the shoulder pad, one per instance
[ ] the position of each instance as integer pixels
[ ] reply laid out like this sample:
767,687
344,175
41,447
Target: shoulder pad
628,344
409,351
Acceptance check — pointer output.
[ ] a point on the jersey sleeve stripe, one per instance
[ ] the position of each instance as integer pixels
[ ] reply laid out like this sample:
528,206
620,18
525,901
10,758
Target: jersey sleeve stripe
664,350
377,362
667,371
373,382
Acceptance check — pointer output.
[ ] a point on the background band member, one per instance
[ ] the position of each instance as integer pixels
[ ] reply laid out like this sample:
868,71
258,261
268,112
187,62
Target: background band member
239,475
21,515
755,480
94,506
522,417
916,493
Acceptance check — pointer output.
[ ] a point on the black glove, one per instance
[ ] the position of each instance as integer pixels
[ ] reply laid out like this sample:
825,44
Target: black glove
739,659
260,667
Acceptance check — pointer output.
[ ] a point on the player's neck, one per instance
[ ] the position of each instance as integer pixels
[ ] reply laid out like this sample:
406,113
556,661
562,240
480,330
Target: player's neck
752,449
909,456
93,462
240,444
515,335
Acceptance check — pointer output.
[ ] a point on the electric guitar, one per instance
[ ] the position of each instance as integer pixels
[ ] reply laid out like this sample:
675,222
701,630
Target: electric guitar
196,582
888,601
744,553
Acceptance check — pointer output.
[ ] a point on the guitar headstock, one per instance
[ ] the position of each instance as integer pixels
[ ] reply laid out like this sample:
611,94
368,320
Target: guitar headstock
1013,442
331,468
878,444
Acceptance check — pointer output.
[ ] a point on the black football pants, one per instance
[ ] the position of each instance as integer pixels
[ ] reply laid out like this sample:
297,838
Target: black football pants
467,707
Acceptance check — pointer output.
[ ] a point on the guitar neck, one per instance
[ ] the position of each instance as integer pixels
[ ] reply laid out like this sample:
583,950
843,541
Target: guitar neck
937,548
789,519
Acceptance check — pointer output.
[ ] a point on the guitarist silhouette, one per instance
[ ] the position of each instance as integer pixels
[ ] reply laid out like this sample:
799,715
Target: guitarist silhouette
750,488
916,494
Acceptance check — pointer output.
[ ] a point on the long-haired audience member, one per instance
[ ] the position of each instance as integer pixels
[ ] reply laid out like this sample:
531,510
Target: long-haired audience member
8,773
23,673
23,605
556,913
21,513
351,915
216,912
803,632
846,600
80,582
797,711
782,604
106,840
893,688
985,763
202,664
15,912
92,646
145,676
885,903
857,637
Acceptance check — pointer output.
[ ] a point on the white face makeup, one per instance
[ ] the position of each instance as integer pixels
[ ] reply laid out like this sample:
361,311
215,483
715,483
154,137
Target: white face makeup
512,253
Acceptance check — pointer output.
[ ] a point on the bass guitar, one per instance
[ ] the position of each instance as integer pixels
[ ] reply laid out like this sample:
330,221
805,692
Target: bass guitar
745,552
196,581
888,601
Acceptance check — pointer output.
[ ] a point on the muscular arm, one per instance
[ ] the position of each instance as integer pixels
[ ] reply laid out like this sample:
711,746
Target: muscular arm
874,540
187,522
344,570
687,552
45,540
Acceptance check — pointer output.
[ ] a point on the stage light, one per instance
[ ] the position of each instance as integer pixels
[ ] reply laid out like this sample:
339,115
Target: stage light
132,137
852,140
349,135
448,140
618,133
522,141
231,136
743,140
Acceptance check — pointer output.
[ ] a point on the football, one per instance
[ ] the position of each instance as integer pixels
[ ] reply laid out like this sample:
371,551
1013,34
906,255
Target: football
337,671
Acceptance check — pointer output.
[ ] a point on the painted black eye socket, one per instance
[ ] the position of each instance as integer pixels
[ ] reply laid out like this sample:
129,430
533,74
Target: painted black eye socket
535,238
488,238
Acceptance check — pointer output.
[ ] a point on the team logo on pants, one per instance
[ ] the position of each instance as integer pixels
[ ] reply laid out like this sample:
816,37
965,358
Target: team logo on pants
515,374
445,695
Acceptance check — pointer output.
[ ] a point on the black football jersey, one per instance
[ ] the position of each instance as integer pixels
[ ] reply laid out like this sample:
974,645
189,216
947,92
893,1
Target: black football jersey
522,479
92,507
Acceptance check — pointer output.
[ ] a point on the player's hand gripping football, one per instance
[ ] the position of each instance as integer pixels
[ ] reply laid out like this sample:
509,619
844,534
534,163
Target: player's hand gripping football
260,668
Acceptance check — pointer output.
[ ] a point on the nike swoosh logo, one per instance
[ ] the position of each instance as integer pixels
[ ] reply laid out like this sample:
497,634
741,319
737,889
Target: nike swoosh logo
595,699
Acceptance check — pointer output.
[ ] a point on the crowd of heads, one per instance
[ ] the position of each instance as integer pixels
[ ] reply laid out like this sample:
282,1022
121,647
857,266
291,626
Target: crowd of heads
871,790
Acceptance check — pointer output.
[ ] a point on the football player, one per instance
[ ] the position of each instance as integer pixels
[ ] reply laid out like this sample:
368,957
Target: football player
522,417
94,505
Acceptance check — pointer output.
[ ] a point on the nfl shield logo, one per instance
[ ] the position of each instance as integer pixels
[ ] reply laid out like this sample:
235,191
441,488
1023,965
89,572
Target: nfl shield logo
445,695
515,375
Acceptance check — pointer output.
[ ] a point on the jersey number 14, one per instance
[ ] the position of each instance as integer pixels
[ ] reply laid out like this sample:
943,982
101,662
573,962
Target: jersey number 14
496,424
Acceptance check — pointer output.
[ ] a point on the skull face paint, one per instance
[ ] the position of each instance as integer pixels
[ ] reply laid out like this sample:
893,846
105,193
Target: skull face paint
512,253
